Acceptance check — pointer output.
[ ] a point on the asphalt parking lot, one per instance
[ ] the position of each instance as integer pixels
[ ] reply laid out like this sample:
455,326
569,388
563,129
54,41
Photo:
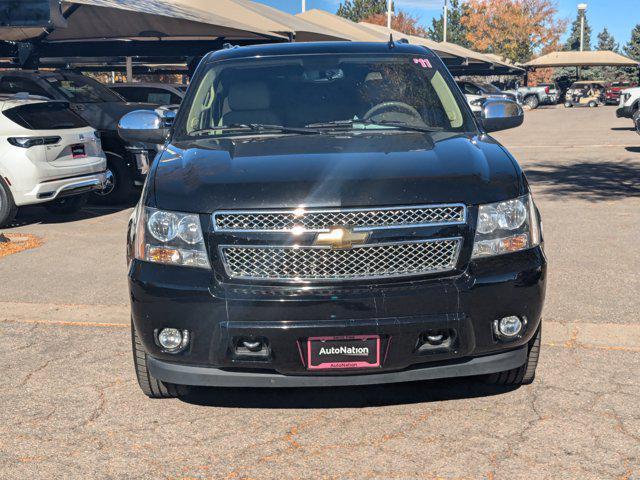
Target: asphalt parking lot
72,408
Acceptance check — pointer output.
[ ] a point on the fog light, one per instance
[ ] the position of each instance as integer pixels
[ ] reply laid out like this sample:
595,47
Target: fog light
172,339
510,326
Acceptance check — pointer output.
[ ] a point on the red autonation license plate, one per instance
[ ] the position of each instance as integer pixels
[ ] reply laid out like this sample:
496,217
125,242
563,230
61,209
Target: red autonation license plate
353,351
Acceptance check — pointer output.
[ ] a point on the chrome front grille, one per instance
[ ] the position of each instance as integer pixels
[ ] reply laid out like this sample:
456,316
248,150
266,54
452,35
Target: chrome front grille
312,263
323,220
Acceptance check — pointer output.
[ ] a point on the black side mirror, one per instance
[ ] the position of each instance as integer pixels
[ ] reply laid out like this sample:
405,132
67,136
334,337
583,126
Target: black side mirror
143,126
501,114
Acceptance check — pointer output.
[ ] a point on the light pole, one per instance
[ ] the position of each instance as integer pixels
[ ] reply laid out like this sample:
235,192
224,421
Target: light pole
582,8
304,5
389,14
444,21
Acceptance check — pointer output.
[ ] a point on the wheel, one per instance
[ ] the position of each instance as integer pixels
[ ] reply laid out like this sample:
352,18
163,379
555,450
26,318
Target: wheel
119,186
523,375
532,102
67,205
151,387
568,104
592,104
8,209
636,121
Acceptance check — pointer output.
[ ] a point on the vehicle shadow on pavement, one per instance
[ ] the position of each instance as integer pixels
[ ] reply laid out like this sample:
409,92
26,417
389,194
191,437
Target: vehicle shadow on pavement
622,129
36,215
344,397
592,181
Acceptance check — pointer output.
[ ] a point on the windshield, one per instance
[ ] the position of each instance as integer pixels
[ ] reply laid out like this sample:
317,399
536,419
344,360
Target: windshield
351,91
79,89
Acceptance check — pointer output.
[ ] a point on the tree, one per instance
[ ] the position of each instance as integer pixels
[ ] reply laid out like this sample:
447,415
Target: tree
402,21
606,41
514,29
573,42
456,31
632,49
358,10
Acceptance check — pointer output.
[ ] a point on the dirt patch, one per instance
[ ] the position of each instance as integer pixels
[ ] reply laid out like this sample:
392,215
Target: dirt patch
18,242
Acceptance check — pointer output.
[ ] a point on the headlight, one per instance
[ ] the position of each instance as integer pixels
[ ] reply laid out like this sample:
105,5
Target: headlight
171,238
506,227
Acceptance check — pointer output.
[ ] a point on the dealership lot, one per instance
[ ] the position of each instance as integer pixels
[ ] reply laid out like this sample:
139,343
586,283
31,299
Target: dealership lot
73,409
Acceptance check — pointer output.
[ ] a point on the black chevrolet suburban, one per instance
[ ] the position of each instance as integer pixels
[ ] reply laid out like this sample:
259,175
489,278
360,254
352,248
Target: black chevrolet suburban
328,214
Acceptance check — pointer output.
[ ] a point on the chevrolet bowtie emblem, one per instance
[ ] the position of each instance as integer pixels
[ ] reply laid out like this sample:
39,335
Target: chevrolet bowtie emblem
341,238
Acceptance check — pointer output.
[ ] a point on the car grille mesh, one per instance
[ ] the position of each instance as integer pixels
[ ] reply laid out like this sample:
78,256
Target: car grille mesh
326,219
360,262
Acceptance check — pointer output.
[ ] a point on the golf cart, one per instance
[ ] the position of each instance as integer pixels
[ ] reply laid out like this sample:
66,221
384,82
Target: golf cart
585,94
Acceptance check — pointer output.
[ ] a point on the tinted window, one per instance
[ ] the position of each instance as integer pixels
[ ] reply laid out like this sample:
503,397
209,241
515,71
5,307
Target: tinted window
80,89
155,95
45,116
10,85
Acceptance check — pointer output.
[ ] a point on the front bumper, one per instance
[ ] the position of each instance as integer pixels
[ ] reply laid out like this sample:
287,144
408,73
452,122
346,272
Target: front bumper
217,315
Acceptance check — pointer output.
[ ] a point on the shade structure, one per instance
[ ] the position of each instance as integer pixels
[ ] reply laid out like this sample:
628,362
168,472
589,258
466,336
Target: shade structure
441,50
276,20
582,59
350,30
144,20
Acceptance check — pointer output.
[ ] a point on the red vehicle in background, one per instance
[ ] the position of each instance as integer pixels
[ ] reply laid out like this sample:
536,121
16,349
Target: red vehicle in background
612,93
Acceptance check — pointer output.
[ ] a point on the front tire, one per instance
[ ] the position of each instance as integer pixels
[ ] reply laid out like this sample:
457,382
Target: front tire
67,205
119,187
8,208
523,375
151,387
592,104
532,102
568,104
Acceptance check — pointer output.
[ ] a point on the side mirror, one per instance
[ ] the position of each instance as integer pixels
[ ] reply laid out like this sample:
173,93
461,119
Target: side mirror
501,114
143,126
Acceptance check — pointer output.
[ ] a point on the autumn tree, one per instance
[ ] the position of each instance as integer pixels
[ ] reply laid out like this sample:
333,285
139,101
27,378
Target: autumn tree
573,42
402,22
514,29
358,10
456,31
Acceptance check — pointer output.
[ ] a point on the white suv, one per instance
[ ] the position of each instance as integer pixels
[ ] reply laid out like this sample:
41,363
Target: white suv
629,103
48,155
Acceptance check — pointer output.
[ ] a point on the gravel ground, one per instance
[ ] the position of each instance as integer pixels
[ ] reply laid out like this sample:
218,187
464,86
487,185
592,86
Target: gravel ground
72,408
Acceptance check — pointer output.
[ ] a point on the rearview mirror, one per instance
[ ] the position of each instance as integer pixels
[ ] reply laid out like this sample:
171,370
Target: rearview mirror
143,126
501,114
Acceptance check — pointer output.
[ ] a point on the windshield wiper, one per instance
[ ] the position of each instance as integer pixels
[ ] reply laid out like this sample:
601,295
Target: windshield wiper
256,127
349,124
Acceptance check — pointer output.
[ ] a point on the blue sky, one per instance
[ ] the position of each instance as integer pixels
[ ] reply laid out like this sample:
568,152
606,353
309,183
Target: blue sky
619,16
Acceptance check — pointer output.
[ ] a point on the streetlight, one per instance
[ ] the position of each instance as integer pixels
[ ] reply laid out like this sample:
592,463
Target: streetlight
582,8
304,5
389,13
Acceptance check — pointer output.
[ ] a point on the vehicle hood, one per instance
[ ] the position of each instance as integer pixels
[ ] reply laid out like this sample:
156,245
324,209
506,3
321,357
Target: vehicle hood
106,115
383,169
631,90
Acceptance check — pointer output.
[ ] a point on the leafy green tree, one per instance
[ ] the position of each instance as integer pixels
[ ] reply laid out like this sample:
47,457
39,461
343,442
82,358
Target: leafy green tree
573,42
456,31
358,10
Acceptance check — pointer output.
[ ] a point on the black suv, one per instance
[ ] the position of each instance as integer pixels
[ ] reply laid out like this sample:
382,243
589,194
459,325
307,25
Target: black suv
331,214
127,164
